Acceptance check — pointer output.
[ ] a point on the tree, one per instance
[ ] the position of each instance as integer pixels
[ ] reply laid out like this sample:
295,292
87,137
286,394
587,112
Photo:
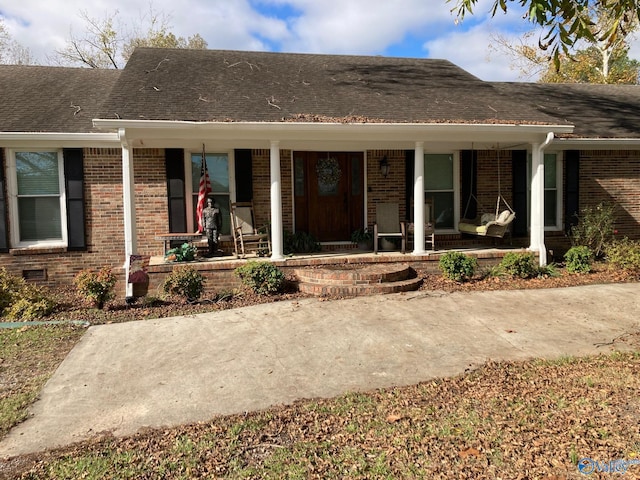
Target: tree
106,43
11,52
594,60
565,22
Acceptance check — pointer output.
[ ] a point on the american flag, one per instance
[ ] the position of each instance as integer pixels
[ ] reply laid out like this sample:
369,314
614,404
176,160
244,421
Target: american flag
204,189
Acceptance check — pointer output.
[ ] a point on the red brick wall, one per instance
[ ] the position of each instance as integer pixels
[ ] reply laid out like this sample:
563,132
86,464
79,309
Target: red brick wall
613,176
488,181
385,190
262,187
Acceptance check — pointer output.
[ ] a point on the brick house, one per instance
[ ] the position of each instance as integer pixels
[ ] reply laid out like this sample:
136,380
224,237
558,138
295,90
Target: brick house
95,163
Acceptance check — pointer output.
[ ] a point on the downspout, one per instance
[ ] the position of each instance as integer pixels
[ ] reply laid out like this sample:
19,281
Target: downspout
537,199
129,209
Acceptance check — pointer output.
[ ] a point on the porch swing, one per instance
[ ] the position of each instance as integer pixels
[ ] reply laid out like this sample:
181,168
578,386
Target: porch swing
496,224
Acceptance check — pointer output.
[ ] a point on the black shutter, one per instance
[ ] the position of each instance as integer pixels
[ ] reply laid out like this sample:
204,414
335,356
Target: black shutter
74,189
244,175
572,172
469,180
4,242
409,162
520,191
174,163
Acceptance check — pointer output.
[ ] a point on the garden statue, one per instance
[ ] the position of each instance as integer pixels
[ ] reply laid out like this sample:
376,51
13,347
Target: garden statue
212,223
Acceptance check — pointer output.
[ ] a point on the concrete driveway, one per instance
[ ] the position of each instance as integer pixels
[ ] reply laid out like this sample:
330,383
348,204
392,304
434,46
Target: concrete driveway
121,378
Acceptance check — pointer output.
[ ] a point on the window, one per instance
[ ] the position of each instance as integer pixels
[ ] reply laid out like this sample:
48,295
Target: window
218,166
552,191
37,199
440,183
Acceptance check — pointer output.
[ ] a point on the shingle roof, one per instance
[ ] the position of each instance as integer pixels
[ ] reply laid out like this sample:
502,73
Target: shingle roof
51,99
597,111
214,85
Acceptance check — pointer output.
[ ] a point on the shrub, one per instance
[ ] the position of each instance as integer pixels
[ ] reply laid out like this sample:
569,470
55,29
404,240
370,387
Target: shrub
457,266
184,281
624,255
595,228
96,286
520,264
300,242
262,277
579,259
20,300
184,253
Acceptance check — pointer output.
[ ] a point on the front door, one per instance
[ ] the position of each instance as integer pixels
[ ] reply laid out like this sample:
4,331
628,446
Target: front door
329,193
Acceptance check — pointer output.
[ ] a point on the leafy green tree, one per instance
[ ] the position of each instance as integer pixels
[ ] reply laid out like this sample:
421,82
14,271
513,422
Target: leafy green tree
565,22
106,42
586,67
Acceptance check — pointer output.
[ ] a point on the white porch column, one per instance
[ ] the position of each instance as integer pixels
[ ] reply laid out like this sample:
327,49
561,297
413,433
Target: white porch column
277,244
418,201
537,199
129,210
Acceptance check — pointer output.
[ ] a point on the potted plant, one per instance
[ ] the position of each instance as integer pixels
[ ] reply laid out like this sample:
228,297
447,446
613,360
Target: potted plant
363,238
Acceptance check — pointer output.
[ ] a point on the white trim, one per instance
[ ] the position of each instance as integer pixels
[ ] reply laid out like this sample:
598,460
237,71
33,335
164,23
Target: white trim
456,188
59,140
14,212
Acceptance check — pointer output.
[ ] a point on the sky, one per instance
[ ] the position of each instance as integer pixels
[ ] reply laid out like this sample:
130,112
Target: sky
402,28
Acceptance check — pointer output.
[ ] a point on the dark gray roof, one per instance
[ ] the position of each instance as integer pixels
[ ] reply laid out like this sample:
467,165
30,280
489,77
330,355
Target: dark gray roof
51,99
597,111
214,85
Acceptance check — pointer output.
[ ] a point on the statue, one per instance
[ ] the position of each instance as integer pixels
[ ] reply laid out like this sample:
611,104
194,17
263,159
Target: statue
212,223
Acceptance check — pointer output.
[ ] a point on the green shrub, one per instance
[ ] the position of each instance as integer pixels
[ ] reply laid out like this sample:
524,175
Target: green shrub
457,266
21,300
184,281
624,255
97,287
184,253
520,264
595,228
300,242
262,277
578,259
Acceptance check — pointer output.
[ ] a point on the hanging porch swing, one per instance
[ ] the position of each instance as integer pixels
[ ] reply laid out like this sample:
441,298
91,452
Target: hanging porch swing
489,224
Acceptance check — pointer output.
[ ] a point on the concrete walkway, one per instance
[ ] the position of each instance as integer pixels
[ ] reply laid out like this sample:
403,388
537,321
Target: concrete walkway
121,378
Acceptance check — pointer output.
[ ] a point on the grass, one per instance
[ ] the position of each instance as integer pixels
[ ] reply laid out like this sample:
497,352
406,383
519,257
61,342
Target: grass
29,356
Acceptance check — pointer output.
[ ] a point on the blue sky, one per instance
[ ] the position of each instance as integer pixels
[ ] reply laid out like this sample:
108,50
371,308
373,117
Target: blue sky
405,28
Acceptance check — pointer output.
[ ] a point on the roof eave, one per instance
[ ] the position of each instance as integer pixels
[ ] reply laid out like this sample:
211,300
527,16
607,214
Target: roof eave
58,139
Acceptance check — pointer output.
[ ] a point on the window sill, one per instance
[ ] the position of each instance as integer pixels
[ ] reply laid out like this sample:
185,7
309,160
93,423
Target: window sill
37,250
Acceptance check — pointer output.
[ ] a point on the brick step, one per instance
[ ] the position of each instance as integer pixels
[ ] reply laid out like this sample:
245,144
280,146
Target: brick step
354,279
354,274
360,290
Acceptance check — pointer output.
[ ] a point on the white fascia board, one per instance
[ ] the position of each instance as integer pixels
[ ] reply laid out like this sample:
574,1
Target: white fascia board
597,143
55,139
293,131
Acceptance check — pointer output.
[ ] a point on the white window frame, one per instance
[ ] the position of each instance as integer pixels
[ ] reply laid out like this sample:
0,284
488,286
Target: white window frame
14,214
558,227
456,188
188,184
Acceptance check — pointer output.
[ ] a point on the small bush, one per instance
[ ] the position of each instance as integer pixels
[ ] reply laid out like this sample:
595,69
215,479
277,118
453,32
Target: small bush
184,281
578,259
520,264
595,228
96,286
262,277
624,255
300,242
184,253
457,266
21,300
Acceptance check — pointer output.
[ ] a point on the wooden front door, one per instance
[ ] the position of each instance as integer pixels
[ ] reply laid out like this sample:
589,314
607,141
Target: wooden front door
329,193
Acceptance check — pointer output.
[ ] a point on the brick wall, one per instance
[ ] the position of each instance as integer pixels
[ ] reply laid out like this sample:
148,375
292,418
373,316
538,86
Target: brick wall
490,182
262,187
385,190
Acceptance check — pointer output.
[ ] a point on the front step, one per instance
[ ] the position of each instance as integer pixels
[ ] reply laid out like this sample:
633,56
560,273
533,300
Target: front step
354,280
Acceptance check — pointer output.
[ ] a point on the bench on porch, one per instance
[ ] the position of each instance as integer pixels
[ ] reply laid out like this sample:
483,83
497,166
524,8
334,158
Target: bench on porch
167,238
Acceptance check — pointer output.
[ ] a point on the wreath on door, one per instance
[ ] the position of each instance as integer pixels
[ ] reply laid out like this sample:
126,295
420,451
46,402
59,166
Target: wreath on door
329,173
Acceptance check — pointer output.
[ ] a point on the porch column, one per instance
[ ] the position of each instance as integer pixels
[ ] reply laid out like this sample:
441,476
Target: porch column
537,199
129,210
418,201
276,203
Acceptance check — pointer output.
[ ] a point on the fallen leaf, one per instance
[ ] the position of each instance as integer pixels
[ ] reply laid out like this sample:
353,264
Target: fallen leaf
469,452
